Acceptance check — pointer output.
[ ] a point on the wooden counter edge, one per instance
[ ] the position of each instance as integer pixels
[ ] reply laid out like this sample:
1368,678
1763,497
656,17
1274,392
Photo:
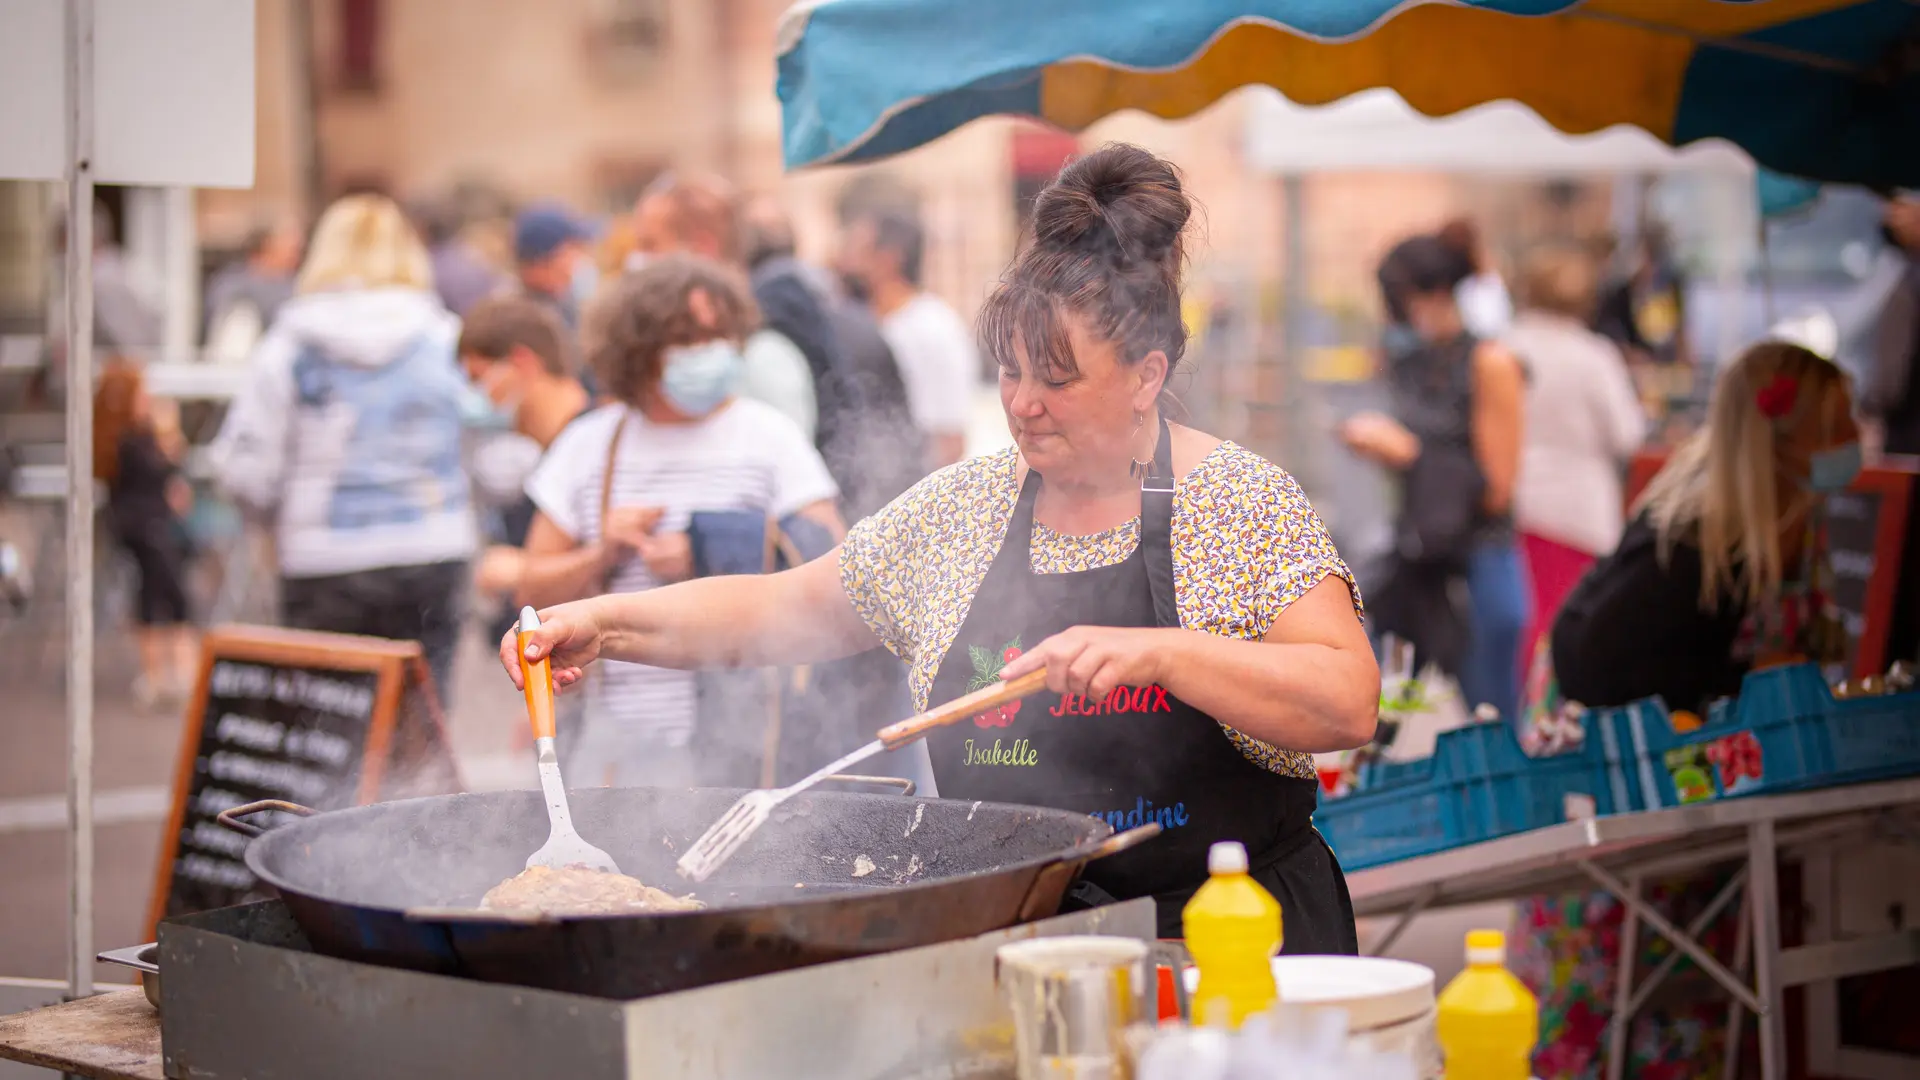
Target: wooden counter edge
110,1036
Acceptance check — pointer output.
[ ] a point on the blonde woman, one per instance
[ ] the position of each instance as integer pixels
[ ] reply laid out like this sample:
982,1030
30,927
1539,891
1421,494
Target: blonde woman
1719,569
349,438
1718,572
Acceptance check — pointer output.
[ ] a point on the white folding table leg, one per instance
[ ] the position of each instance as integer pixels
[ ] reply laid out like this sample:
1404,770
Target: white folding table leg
1621,1023
1402,921
1695,927
1742,941
1763,895
1713,967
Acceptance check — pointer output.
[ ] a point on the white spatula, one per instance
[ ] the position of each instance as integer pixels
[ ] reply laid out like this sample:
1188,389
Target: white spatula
564,846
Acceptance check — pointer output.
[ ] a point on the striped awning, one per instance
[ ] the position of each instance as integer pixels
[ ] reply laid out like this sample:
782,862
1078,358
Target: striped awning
1826,89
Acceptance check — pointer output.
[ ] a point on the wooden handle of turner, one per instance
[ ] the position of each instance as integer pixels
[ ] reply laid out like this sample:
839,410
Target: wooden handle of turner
894,736
537,677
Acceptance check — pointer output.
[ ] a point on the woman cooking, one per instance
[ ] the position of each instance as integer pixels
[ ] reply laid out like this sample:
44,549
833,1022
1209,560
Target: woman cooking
1200,635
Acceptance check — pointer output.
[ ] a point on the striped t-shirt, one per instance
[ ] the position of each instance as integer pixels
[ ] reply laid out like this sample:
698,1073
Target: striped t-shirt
746,456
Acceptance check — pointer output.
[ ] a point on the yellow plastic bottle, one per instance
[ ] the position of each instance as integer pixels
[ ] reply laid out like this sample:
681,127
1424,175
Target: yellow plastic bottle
1233,930
1488,1019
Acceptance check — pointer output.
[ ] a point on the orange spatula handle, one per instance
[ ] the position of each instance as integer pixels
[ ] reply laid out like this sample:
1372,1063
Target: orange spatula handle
537,677
897,735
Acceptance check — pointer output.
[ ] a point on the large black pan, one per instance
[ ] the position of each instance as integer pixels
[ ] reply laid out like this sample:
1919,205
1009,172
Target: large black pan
833,875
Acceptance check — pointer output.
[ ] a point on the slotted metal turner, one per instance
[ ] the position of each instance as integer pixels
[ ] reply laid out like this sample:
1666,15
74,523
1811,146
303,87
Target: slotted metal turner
564,847
738,824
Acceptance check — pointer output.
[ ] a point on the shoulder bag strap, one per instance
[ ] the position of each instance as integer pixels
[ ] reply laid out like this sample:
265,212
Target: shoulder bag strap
606,487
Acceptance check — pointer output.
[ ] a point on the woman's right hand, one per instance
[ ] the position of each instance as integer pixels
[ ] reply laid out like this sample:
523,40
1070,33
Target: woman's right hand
569,635
628,528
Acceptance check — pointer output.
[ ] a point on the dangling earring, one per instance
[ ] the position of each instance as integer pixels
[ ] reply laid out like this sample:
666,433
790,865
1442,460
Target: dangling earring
1138,468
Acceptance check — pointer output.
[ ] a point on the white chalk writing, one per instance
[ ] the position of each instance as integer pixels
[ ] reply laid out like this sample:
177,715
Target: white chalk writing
301,784
235,680
213,800
214,871
323,747
264,735
211,837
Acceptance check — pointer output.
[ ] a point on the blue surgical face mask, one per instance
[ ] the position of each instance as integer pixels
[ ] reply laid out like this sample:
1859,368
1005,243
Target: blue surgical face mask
1832,470
695,379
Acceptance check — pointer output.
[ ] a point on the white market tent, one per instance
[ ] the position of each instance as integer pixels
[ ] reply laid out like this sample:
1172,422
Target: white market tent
1377,131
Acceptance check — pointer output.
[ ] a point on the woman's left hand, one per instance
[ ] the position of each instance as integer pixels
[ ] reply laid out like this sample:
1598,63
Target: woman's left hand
1092,660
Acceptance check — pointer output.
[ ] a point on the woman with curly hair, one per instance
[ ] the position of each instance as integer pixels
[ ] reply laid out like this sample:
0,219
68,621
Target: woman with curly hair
616,492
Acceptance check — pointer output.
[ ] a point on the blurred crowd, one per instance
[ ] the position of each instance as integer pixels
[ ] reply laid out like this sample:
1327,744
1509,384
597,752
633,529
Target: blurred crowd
1514,412
434,435
438,408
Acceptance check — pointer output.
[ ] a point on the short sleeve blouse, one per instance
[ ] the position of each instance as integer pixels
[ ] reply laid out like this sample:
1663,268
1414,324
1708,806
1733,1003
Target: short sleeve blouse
1246,544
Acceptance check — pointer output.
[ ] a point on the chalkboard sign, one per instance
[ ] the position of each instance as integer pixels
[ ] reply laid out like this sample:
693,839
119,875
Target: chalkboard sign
323,720
1866,528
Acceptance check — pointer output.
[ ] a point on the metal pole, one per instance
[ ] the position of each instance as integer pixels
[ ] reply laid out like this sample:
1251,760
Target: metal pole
1763,900
79,450
1294,441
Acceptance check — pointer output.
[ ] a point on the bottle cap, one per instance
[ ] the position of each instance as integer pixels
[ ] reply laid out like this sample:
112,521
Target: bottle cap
1227,857
1486,947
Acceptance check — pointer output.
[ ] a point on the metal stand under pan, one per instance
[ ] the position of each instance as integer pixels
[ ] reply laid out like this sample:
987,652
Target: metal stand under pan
244,996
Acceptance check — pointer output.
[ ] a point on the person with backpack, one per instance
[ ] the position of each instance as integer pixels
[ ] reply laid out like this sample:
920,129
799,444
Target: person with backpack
348,437
1454,442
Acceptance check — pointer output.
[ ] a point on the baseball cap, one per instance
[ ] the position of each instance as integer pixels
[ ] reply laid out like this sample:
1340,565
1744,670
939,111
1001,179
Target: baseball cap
540,229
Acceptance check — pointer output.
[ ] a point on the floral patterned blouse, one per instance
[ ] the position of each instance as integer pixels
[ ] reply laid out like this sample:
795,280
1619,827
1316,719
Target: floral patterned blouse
1246,543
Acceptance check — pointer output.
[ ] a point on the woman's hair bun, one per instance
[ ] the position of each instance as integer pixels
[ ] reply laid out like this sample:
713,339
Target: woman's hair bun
1119,198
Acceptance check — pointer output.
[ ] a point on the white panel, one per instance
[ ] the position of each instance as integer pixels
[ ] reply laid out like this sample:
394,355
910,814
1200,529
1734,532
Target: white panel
173,91
1377,131
33,89
173,85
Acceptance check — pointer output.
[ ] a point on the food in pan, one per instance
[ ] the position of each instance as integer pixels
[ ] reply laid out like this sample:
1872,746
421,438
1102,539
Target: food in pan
578,890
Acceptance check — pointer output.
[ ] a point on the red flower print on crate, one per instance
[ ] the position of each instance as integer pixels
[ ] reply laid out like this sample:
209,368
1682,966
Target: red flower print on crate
986,672
1777,398
1737,759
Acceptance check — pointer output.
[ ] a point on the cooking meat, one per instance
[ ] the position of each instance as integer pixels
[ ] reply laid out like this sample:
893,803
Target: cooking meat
579,890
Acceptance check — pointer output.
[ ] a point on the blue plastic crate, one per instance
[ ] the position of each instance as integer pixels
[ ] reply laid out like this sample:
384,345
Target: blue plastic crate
1785,732
1478,785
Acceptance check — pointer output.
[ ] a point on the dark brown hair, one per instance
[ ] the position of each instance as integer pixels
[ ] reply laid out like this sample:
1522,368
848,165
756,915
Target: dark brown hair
633,322
1108,248
497,325
1461,235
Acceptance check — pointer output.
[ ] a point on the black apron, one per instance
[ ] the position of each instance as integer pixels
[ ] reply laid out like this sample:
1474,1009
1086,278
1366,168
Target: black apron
1137,756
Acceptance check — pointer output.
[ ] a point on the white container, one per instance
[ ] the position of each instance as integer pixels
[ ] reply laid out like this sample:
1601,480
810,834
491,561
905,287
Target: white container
1390,1004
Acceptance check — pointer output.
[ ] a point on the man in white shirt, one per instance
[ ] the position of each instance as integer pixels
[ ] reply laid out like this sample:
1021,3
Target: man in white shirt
880,259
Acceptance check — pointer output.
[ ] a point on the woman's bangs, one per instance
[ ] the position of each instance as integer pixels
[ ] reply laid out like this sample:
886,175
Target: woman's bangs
1016,316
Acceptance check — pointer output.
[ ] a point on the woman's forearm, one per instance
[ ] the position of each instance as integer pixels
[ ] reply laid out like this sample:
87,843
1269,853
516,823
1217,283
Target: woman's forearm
1306,697
557,577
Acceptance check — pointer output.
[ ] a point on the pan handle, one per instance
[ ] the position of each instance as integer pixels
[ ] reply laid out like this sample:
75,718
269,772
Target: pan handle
133,956
1113,845
905,785
230,817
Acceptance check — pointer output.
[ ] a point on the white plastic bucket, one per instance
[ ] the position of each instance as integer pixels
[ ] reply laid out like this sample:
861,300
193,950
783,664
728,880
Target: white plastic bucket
1389,1003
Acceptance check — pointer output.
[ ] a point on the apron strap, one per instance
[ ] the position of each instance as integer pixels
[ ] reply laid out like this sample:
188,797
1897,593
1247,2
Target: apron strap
1156,529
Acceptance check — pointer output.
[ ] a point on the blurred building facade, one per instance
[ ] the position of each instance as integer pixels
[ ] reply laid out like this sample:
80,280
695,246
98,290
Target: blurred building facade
588,100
